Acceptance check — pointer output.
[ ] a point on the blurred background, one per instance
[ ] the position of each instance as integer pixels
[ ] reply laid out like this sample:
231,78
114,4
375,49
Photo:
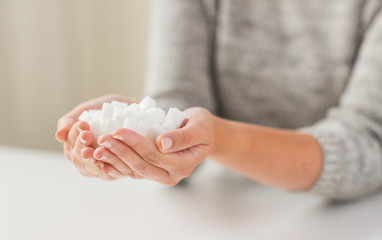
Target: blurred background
55,54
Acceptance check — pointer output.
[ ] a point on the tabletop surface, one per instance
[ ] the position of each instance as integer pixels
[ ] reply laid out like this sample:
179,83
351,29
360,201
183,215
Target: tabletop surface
42,196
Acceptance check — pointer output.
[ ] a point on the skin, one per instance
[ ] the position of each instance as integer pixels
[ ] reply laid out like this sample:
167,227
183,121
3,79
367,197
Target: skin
70,132
277,157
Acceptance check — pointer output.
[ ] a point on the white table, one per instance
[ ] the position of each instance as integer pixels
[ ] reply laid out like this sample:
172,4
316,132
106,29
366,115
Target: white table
43,197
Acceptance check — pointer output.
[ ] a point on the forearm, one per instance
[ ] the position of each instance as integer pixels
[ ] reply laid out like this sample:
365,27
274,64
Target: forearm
277,157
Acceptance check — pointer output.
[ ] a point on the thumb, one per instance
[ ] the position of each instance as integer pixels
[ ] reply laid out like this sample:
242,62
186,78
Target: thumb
179,139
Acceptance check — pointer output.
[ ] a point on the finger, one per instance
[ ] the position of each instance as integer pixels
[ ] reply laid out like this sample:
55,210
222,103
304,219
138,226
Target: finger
77,158
103,154
139,152
63,127
183,138
89,161
106,168
112,172
75,131
68,156
85,139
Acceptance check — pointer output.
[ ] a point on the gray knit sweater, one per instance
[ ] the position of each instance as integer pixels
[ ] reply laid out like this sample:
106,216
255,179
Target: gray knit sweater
314,66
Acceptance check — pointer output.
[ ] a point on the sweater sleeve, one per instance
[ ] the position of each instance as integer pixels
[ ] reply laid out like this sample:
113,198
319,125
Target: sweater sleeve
351,134
178,71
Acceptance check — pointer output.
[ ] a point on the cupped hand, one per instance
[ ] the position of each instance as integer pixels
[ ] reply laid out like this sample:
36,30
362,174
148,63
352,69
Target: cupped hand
79,142
172,157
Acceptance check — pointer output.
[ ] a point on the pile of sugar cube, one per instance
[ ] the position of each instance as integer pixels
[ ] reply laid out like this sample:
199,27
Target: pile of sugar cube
144,118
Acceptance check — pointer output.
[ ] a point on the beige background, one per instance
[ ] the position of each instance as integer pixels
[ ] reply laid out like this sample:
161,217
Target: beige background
55,54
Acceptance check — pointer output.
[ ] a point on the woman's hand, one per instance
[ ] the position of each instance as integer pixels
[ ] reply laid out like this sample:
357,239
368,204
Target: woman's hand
79,142
172,157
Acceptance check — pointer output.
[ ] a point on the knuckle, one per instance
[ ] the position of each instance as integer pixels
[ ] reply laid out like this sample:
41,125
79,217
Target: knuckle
67,147
123,152
111,160
76,151
78,146
128,172
152,158
185,136
132,141
141,169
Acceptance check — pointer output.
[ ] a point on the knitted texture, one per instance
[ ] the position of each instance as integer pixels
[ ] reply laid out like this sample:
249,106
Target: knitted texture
313,66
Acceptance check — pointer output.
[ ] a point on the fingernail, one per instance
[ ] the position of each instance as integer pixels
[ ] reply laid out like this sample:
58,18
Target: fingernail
89,160
79,129
166,143
104,157
82,141
60,140
119,137
106,144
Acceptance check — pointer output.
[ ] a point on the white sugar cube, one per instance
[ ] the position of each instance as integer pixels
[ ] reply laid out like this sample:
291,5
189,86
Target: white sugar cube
176,115
110,126
169,125
147,103
107,110
85,116
159,114
120,118
143,128
117,104
96,127
155,131
135,106
149,118
130,123
118,108
132,110
144,118
117,112
95,114
155,118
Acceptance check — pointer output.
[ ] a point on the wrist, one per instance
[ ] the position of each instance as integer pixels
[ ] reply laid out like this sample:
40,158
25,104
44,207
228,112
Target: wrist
219,131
